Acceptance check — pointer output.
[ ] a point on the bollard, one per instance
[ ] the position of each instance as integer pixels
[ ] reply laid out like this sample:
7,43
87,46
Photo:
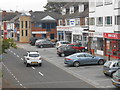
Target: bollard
108,57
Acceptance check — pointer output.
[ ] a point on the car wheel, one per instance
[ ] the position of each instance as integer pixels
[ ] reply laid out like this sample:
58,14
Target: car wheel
100,62
27,65
62,54
41,46
40,64
83,50
76,64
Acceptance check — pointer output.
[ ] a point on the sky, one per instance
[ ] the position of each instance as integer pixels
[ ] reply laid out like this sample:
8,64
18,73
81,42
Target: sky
23,5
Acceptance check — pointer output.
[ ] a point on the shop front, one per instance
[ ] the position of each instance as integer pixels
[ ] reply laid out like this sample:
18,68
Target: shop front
112,45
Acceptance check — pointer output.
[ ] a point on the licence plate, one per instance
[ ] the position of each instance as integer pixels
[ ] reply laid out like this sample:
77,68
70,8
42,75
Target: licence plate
34,62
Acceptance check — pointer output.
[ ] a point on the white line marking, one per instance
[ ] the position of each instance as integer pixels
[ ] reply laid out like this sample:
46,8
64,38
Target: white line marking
41,74
21,59
18,81
17,56
14,53
21,85
33,68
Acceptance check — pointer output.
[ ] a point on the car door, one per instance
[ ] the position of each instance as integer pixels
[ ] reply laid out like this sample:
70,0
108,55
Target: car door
81,59
90,59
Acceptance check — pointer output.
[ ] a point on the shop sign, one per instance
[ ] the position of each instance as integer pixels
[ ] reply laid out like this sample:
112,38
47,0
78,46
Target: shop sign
63,28
112,35
72,22
98,34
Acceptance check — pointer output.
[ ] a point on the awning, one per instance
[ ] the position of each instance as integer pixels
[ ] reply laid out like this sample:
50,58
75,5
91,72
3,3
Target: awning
39,32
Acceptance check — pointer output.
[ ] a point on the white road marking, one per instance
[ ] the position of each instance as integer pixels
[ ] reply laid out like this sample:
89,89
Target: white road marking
22,59
14,53
17,56
41,74
13,75
33,68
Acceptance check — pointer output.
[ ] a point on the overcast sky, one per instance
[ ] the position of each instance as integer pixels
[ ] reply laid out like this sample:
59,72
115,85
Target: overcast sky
20,5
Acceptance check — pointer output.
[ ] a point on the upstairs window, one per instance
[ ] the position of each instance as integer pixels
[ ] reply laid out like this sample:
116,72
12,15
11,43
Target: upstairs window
99,20
26,24
77,21
21,24
99,3
108,2
108,20
60,22
117,20
81,8
71,10
92,21
63,11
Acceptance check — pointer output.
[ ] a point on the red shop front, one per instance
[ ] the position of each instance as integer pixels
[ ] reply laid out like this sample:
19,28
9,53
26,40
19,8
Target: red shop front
112,44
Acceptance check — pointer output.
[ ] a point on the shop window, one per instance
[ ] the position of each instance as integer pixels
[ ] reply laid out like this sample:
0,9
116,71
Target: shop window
67,22
99,43
108,20
51,36
77,21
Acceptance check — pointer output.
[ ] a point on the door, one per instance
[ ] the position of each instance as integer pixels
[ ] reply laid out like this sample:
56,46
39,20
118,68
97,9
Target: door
114,48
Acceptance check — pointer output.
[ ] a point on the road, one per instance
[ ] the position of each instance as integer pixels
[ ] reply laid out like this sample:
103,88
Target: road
17,75
91,74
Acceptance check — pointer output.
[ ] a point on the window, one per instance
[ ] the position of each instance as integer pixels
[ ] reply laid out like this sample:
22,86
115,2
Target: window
51,36
26,32
99,20
108,20
22,32
43,25
60,22
37,25
100,43
117,20
67,22
71,10
81,8
92,21
108,2
26,24
22,24
77,21
99,3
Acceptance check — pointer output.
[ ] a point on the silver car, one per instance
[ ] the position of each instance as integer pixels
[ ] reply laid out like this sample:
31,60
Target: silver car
78,59
111,67
116,78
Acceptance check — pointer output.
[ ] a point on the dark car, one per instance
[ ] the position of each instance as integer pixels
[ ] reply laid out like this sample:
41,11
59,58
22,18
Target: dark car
44,44
116,78
66,50
111,67
33,40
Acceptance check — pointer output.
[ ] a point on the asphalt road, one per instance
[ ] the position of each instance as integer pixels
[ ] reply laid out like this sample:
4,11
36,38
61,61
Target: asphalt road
17,75
91,74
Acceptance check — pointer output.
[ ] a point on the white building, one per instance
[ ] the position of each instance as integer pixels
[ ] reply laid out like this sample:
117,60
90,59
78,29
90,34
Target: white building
73,25
104,29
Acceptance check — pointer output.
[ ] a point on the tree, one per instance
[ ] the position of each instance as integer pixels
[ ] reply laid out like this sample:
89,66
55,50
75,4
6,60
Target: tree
54,6
6,44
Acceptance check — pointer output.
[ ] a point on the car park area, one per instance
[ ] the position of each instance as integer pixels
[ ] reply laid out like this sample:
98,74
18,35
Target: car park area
92,74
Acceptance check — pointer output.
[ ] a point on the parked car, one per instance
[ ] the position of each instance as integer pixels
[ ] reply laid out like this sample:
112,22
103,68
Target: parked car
44,44
60,43
32,58
116,78
78,47
111,67
33,40
66,50
78,59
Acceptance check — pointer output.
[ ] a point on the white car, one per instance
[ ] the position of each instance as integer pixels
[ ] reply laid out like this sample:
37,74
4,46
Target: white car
60,43
32,58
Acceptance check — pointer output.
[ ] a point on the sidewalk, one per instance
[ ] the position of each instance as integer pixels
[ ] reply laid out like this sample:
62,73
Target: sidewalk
0,75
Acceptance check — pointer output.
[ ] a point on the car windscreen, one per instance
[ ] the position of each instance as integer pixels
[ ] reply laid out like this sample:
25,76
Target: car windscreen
33,55
107,64
65,42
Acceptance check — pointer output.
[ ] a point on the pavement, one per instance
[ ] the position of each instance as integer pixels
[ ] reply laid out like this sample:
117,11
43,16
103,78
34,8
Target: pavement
0,75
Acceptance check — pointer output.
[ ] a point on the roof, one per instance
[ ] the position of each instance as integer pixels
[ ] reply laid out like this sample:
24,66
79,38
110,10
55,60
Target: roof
37,16
9,16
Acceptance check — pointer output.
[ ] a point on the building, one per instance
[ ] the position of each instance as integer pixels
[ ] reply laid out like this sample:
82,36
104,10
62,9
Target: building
35,24
104,27
73,24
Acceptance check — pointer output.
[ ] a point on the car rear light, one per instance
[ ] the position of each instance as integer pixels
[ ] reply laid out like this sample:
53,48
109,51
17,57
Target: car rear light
118,80
67,59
